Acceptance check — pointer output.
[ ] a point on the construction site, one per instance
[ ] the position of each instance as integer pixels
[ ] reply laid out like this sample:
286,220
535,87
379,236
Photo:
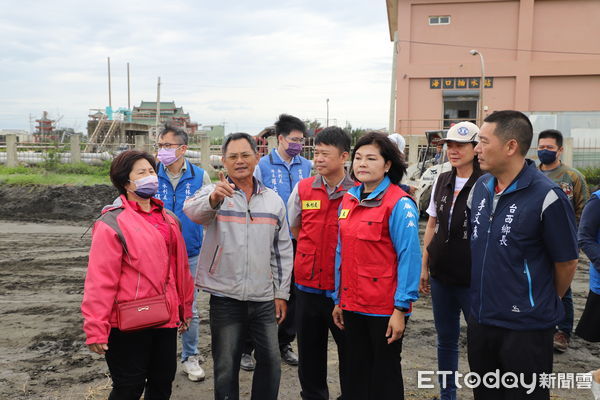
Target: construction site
105,128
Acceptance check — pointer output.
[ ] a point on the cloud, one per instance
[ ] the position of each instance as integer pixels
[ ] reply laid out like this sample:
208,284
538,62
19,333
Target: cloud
239,62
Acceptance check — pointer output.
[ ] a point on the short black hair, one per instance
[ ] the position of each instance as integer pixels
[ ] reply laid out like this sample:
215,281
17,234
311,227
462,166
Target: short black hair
334,136
288,123
121,166
511,124
552,134
238,136
177,132
388,150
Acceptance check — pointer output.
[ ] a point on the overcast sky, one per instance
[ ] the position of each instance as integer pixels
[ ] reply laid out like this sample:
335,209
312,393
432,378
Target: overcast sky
238,62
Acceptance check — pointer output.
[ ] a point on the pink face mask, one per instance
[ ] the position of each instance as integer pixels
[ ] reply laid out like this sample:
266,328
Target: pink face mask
167,156
146,187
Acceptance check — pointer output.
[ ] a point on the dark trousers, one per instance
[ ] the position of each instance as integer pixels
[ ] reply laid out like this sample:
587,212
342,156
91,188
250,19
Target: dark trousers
566,325
314,322
374,369
145,359
230,321
286,333
492,348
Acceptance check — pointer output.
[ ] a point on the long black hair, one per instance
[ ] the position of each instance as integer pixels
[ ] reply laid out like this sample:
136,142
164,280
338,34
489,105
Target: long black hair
388,150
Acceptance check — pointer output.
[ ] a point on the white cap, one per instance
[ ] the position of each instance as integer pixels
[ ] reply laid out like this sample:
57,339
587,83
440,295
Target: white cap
399,140
463,132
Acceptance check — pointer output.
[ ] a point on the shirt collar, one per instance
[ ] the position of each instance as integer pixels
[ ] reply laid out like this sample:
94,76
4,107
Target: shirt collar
136,206
345,180
256,185
383,185
292,161
181,171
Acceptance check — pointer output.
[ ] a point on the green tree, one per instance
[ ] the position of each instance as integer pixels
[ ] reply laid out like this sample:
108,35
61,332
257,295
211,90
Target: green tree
313,125
355,134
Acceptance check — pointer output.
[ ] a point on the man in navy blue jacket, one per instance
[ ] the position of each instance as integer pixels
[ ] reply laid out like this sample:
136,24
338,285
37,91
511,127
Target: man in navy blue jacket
179,179
524,254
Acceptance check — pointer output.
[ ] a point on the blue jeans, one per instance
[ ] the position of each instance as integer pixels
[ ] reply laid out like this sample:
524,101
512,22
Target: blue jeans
189,339
566,325
447,302
230,321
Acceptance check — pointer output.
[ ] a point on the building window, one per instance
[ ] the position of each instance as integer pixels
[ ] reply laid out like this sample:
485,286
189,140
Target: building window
439,20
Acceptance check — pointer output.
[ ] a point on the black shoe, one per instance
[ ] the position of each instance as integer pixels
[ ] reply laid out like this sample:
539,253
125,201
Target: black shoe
288,356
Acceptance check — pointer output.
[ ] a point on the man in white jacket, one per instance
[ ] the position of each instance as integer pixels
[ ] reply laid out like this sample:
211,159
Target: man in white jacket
246,265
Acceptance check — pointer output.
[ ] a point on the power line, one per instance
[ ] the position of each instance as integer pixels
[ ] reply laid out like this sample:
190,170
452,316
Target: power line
499,48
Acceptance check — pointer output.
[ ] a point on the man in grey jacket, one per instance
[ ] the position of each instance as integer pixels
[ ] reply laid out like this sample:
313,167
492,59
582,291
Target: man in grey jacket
246,265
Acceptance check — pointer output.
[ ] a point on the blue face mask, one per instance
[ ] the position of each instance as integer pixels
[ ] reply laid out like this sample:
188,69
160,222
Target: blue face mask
547,156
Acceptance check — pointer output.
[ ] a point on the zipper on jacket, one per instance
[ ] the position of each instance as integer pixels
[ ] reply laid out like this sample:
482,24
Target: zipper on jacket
212,263
323,233
487,242
247,267
530,284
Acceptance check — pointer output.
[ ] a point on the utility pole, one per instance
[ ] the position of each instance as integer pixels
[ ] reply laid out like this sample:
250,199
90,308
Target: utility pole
157,105
128,90
109,89
481,83
327,121
392,125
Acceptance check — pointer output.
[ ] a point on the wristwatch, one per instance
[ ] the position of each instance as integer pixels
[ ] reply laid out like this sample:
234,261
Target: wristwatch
403,309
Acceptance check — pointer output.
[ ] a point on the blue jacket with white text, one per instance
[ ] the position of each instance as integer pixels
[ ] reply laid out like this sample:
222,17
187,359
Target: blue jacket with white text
516,237
173,199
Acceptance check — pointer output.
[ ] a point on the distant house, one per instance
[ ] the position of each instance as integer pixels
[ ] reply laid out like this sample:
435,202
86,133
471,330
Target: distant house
145,114
215,132
22,136
541,57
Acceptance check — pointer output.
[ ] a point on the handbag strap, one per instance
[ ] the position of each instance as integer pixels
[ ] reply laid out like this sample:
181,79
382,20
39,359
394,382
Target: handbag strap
169,250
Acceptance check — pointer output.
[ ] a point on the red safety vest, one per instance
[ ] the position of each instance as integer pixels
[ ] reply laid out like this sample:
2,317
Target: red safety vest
369,272
317,240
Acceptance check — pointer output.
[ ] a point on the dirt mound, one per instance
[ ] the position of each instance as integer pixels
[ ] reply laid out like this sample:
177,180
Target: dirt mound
41,202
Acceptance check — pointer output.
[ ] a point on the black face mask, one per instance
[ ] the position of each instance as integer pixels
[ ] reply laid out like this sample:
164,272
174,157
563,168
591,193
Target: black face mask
547,156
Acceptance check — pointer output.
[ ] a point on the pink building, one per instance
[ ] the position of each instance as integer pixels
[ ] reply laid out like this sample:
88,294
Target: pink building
541,57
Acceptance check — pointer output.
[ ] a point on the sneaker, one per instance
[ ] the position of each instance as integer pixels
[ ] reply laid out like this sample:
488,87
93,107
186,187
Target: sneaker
247,362
288,356
192,368
561,341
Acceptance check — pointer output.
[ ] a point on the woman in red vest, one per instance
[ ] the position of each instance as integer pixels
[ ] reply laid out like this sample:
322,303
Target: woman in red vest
378,266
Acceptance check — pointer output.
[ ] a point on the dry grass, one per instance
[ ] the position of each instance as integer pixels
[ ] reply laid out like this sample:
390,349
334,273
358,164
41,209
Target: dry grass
99,391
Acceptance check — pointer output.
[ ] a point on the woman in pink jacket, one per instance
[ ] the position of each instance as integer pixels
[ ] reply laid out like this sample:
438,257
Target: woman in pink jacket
137,252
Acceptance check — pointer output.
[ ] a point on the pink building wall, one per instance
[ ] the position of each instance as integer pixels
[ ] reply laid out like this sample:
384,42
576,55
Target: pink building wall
524,80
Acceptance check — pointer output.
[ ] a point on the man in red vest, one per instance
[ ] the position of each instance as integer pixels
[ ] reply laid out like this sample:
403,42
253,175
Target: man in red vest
312,213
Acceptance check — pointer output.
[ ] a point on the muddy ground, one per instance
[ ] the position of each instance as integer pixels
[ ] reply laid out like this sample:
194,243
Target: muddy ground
42,352
65,202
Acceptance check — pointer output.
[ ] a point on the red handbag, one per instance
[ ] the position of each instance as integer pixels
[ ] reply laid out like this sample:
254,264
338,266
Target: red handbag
143,313
148,312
